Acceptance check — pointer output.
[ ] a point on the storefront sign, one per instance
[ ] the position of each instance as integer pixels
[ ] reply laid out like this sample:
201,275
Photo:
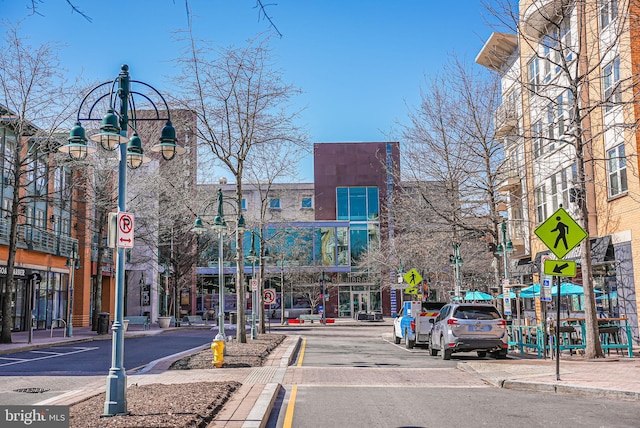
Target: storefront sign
16,271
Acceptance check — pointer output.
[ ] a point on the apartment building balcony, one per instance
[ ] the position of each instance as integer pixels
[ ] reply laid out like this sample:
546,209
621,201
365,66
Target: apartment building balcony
538,14
33,239
506,120
511,182
497,52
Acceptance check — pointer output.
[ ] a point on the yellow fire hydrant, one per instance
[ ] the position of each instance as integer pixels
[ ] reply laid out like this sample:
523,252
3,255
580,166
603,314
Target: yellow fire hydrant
217,347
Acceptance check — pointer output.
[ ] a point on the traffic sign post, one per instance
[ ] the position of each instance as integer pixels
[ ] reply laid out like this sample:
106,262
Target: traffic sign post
560,233
124,237
566,268
269,296
413,278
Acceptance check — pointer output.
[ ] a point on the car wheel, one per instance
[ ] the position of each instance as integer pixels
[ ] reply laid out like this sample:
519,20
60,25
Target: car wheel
482,354
446,353
432,351
396,339
409,344
500,355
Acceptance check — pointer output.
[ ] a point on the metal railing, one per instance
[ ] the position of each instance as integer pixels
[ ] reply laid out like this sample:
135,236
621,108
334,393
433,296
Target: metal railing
35,239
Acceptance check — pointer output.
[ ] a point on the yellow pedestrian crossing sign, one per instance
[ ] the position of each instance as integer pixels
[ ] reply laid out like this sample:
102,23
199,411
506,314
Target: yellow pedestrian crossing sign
560,268
413,278
560,233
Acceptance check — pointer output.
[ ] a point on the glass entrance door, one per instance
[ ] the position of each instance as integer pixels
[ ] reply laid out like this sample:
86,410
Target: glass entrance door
360,302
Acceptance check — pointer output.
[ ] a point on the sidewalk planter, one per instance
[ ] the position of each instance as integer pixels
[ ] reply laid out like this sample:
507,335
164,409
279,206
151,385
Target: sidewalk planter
164,322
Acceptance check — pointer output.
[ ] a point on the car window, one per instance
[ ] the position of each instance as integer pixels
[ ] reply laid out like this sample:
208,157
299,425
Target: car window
477,313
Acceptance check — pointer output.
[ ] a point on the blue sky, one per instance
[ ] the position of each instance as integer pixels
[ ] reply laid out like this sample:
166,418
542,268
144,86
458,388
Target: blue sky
357,62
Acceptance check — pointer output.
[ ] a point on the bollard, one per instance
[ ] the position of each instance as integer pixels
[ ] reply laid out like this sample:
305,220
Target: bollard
217,347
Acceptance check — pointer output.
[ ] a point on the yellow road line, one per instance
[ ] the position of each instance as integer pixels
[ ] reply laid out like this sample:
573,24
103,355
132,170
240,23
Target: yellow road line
288,416
301,355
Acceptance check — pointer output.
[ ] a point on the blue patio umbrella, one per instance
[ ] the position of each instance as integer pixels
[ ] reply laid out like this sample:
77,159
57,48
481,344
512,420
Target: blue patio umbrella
477,295
568,289
609,296
512,295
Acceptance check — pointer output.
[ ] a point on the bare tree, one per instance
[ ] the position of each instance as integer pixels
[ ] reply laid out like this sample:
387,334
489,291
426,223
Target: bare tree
241,105
452,164
34,96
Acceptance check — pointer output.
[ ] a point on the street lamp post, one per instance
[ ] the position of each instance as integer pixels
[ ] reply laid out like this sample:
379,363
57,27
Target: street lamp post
503,249
220,225
113,134
456,262
252,257
72,263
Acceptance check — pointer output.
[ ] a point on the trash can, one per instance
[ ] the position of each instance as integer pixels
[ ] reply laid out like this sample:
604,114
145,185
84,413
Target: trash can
103,323
233,318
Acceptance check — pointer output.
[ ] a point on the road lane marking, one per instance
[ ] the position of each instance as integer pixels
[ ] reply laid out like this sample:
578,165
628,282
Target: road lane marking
77,351
288,416
301,355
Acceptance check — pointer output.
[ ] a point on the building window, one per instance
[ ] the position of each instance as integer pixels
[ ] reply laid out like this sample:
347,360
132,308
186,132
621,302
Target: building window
40,222
617,170
357,203
551,126
307,203
541,204
554,193
534,75
274,203
611,73
537,139
608,12
244,204
566,46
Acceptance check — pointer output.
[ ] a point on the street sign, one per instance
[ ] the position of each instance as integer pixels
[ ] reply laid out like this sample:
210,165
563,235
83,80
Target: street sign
560,268
412,278
545,291
254,285
411,290
124,238
269,296
560,233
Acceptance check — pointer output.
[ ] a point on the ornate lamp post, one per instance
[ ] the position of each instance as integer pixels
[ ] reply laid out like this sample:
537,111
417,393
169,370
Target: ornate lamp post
121,115
252,257
503,249
456,262
220,225
73,264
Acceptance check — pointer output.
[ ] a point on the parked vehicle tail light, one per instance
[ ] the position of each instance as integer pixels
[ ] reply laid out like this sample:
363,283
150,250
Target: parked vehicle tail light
502,323
413,325
452,321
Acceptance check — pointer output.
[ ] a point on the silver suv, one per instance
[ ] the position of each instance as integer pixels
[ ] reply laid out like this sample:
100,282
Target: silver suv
462,327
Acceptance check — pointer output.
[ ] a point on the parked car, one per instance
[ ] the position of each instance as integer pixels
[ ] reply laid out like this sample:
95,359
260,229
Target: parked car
463,327
300,307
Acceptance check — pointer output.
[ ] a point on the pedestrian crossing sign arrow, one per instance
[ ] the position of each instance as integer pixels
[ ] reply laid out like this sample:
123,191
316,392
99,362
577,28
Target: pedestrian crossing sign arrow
560,268
412,278
560,233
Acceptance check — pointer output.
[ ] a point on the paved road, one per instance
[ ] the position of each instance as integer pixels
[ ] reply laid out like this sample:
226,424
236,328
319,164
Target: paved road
91,358
357,377
34,376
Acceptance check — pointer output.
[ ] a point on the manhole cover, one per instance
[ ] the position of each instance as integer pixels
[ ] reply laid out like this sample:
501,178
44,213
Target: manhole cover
31,390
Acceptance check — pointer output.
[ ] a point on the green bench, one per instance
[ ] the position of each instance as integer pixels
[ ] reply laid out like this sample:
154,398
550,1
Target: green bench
138,320
310,317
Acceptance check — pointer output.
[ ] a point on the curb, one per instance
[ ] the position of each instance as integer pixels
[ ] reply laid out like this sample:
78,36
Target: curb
261,410
548,387
569,389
